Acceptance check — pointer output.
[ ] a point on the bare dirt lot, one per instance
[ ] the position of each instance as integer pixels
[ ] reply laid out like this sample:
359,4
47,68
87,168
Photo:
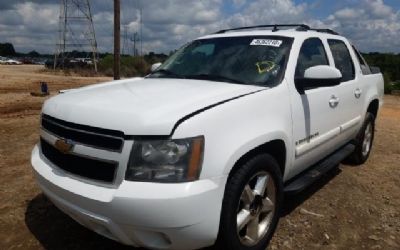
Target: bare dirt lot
350,208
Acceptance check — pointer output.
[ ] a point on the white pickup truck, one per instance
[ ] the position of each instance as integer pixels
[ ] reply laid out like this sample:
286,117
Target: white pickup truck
202,150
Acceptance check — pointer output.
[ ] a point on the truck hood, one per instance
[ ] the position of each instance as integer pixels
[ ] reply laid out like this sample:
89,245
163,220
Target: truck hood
140,106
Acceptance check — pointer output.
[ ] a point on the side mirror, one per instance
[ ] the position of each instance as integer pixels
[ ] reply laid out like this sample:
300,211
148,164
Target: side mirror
319,76
155,66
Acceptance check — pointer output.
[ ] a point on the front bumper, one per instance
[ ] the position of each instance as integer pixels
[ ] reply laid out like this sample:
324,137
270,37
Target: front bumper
152,215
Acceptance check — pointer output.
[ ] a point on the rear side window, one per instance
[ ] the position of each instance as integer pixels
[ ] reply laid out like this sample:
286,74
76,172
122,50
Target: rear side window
342,58
364,66
312,53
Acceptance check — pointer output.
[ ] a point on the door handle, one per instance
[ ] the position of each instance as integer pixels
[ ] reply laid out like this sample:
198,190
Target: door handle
334,101
357,93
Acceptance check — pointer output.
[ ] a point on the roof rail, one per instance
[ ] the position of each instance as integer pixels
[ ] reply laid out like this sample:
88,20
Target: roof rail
326,31
275,27
299,27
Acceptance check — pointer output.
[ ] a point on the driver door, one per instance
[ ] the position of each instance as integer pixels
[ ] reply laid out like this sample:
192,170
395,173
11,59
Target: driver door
314,111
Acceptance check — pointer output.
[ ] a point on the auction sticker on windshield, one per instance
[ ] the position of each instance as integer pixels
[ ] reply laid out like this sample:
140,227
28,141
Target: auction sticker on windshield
266,42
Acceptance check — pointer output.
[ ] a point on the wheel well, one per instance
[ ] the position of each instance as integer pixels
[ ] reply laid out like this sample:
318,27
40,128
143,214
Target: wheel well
275,148
373,107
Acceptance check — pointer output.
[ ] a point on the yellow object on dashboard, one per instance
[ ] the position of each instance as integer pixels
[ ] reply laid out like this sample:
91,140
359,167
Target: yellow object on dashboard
265,66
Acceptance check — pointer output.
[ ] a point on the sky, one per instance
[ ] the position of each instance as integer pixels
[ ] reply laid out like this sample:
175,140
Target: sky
372,25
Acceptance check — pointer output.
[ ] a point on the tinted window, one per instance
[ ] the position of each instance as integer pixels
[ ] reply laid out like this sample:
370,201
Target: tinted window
206,49
342,58
364,66
312,53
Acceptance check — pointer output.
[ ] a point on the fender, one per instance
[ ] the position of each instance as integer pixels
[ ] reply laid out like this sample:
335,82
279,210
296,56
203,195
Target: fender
368,101
254,143
233,129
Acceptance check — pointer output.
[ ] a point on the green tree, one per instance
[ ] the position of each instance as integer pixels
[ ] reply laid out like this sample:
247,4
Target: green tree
33,53
390,67
7,49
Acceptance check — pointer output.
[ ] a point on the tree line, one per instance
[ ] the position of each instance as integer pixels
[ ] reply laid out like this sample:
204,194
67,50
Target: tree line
390,67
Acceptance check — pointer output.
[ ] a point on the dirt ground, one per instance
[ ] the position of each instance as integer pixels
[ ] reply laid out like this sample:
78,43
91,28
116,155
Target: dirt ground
350,208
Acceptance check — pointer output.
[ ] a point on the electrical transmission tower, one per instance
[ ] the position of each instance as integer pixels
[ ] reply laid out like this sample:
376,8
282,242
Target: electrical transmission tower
135,38
129,42
76,31
125,41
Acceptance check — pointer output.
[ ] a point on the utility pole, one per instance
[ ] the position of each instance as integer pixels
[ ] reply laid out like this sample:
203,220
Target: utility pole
117,39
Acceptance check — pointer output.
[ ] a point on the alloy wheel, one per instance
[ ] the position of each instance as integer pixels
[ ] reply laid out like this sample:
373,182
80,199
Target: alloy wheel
256,208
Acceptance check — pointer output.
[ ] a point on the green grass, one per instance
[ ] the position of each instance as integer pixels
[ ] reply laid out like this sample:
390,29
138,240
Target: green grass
130,66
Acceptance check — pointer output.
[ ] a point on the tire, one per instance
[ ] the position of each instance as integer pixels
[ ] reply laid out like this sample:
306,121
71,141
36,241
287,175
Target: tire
248,207
363,141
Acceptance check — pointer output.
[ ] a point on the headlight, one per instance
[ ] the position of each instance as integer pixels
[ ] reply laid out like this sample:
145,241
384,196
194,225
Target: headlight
171,160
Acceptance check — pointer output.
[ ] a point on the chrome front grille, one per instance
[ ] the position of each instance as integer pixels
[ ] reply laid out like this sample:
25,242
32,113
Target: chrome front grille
95,153
94,169
111,140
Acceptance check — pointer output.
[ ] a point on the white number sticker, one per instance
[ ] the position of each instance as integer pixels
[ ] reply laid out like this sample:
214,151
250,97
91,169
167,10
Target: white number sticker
266,42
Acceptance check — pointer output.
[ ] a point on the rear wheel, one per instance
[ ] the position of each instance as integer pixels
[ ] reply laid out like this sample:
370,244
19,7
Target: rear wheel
251,205
364,141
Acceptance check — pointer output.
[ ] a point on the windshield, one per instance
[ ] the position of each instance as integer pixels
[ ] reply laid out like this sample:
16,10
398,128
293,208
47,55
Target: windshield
257,60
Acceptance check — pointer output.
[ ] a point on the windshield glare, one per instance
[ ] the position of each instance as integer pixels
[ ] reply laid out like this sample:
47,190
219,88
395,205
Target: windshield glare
257,60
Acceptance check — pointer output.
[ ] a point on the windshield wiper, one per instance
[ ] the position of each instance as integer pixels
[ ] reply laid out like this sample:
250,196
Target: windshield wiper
215,78
167,72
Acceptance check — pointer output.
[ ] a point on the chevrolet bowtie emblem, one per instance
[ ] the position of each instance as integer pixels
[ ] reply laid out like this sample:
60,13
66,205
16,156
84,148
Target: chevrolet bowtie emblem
64,146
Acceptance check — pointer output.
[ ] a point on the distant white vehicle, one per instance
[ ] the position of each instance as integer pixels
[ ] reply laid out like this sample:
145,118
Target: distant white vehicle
84,60
3,60
7,61
88,61
13,62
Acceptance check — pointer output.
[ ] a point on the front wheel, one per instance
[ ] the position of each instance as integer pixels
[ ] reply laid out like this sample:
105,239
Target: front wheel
251,205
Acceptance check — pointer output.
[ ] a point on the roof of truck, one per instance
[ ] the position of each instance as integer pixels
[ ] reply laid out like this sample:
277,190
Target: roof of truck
289,30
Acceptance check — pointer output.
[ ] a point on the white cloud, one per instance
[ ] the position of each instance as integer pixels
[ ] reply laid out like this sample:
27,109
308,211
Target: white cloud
370,24
267,12
29,26
378,9
348,13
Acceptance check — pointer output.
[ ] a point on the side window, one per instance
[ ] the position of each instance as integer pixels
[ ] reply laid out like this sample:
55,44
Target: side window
206,49
364,66
312,53
342,58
